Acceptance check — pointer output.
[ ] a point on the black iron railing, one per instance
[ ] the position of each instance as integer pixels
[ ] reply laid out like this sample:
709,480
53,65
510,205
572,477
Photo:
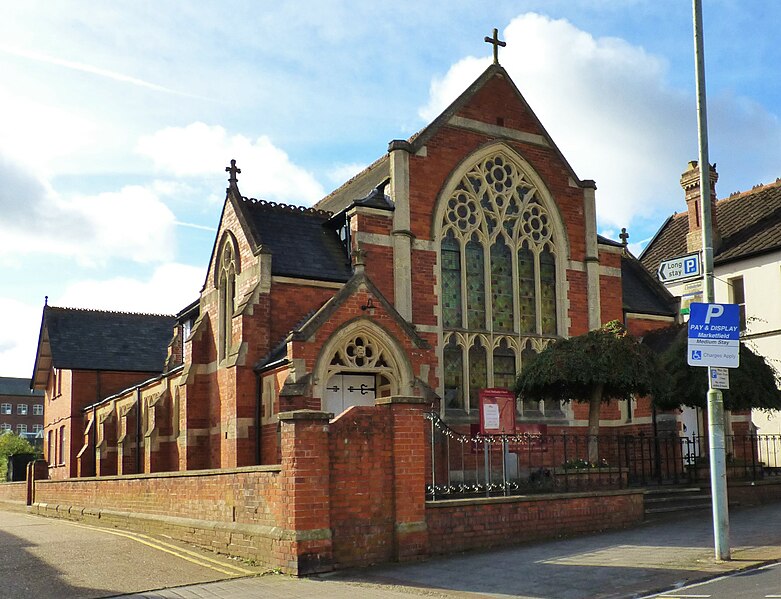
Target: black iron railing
469,464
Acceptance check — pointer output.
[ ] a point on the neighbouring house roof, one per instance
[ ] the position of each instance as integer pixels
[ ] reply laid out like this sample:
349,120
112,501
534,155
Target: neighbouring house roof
299,239
749,224
75,339
642,293
16,386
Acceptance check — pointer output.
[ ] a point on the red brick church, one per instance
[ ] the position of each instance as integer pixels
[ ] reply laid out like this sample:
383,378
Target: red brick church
434,273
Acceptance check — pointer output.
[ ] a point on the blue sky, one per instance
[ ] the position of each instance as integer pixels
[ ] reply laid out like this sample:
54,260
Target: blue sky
118,119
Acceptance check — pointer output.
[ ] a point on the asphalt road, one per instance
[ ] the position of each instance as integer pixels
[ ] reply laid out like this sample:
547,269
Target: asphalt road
761,583
42,557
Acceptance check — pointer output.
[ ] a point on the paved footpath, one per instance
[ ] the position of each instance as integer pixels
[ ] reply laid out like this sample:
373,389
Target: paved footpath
632,563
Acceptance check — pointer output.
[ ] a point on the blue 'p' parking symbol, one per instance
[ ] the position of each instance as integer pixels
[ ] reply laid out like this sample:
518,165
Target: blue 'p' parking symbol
690,266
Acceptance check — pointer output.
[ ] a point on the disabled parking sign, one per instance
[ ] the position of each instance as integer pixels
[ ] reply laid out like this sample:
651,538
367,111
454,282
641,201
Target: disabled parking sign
714,335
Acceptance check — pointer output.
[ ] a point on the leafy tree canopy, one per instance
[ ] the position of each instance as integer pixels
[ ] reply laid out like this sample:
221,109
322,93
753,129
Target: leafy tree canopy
575,368
12,444
754,384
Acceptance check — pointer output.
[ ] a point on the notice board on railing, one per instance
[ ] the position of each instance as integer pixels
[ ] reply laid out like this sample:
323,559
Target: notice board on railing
497,411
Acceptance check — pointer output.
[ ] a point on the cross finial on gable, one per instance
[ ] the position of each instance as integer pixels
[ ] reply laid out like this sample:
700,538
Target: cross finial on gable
233,170
495,42
624,236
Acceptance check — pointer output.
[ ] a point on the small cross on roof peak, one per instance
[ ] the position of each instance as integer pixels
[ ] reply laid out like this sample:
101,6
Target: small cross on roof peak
233,170
495,42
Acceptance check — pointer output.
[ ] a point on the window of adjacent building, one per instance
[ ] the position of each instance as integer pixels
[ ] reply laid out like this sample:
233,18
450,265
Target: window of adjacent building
499,288
738,296
21,409
38,409
6,408
37,428
21,428
5,427
61,457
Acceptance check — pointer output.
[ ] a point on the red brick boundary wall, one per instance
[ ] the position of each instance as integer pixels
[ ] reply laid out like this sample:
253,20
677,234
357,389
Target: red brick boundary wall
464,524
347,492
13,494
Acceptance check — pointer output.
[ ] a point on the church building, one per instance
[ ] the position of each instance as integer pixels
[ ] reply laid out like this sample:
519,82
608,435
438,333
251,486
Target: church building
437,271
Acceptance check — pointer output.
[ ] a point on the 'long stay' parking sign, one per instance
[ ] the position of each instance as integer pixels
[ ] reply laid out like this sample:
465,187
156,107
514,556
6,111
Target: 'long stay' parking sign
714,335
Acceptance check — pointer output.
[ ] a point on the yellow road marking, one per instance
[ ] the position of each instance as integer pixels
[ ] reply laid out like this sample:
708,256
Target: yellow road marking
201,561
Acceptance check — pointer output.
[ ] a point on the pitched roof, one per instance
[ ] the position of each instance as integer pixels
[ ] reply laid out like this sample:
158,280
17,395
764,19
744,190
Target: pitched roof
749,224
76,339
642,293
16,386
300,239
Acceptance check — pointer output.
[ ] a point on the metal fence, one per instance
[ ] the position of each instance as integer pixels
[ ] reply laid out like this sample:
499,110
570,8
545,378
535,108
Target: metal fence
464,465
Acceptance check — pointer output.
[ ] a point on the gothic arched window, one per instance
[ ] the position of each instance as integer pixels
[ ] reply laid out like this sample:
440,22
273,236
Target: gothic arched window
226,283
499,278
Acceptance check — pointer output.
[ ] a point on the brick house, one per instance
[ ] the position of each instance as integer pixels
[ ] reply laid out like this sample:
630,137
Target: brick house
21,410
435,272
746,267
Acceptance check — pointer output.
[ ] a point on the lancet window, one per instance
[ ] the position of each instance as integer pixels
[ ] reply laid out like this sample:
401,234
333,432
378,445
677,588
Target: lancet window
227,297
499,280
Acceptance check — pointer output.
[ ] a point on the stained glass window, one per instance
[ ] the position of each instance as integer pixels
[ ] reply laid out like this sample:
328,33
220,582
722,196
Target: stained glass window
527,306
451,282
548,292
504,366
502,286
454,373
478,372
498,275
530,407
475,284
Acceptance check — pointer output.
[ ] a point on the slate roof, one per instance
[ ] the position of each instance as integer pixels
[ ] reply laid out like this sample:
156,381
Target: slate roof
78,339
16,386
301,242
749,223
642,293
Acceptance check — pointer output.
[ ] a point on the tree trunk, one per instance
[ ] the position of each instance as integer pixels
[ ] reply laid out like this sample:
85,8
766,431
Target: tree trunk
594,405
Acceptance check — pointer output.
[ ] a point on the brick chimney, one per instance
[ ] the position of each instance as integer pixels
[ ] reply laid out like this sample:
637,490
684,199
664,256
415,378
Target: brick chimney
690,181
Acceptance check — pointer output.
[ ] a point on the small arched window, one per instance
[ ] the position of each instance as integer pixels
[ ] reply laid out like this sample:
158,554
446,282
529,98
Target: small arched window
226,283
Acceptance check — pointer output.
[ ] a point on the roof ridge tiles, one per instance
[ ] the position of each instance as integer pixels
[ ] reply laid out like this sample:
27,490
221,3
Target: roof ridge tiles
757,188
117,312
288,207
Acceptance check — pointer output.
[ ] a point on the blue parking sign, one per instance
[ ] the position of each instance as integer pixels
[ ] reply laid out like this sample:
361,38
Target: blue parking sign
714,335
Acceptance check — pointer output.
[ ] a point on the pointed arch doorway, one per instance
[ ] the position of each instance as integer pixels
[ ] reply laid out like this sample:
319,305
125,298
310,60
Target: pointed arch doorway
359,364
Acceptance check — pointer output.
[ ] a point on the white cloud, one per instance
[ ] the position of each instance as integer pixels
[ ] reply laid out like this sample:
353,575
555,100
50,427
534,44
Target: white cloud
608,106
200,150
170,288
131,223
18,337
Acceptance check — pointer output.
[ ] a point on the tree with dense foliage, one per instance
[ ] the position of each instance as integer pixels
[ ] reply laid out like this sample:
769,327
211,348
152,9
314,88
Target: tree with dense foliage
603,364
12,444
753,385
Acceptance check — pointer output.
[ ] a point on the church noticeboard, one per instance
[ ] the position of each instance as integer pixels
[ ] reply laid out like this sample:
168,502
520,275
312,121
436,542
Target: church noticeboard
497,412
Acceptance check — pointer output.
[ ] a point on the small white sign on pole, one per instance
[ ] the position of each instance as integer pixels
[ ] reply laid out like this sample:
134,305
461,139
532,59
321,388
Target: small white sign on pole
720,378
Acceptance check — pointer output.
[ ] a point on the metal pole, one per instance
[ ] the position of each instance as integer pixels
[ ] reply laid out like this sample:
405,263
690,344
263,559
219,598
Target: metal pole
718,474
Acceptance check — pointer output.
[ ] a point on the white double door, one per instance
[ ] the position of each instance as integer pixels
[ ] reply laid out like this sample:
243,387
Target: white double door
347,390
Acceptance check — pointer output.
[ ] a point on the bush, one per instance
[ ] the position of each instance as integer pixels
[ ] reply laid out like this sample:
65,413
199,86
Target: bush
12,444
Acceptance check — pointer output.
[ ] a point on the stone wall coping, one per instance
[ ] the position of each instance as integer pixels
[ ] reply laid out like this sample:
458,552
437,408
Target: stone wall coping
274,468
401,399
305,415
261,530
477,501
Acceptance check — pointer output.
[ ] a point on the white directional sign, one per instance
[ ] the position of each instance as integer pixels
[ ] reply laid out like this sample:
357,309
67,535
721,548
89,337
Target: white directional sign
719,378
682,267
714,335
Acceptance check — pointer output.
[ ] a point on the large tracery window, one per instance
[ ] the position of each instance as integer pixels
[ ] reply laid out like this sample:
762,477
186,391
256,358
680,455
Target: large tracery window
499,279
